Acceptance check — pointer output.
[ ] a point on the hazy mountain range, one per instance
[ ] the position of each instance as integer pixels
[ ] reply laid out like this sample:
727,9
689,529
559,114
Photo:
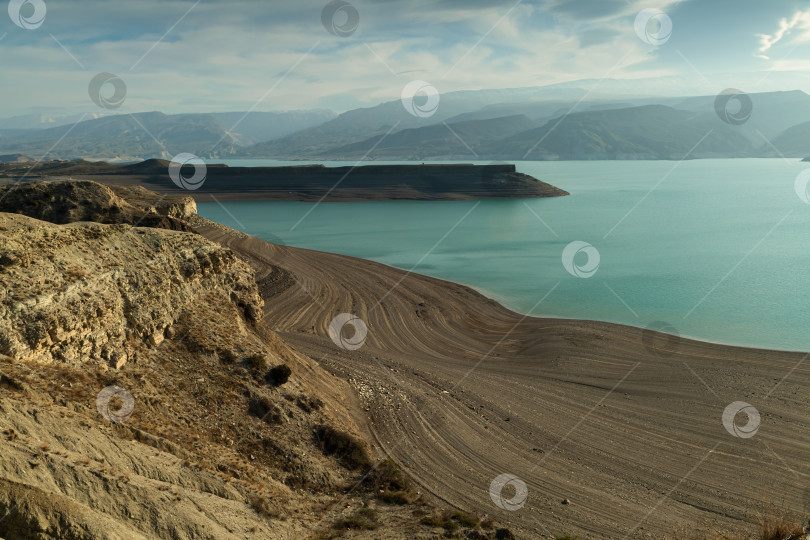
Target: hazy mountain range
531,123
132,137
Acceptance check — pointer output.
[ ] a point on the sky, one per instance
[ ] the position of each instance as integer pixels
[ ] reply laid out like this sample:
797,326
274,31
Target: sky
237,55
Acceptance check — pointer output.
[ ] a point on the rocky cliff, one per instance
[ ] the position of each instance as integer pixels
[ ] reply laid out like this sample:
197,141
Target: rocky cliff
66,201
96,293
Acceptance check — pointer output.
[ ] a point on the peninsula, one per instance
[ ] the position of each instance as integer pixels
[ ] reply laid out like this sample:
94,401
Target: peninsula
305,182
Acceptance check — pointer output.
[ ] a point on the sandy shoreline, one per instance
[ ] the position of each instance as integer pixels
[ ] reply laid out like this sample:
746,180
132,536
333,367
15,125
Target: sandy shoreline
461,389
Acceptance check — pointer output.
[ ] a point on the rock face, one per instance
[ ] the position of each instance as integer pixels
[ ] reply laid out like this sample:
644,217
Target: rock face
87,292
68,201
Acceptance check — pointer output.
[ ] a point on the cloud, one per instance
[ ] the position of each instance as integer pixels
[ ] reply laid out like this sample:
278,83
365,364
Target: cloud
589,9
597,36
799,21
227,55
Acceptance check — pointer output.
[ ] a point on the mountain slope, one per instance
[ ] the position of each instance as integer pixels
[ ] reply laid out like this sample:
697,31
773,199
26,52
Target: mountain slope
144,135
648,132
360,124
127,137
793,142
773,112
461,140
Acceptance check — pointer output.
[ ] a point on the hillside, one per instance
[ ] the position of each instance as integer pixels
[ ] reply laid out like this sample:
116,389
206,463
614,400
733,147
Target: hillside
138,399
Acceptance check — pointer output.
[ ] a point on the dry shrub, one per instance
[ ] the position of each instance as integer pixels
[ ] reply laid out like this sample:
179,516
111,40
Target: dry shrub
348,449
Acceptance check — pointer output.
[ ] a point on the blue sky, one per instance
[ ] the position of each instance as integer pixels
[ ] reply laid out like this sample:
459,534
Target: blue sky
275,55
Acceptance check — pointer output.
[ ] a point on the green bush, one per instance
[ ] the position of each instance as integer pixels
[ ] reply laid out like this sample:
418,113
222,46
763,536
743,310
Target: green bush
397,497
257,362
278,375
464,519
264,409
450,526
504,534
388,476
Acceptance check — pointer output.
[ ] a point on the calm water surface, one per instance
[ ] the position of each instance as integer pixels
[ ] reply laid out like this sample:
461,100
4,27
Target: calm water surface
719,249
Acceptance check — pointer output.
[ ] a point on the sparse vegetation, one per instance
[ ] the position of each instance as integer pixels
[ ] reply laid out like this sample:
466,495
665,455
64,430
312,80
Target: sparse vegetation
227,356
774,524
278,375
464,519
363,520
780,527
257,362
453,521
261,505
398,497
75,274
391,484
264,409
348,449
309,403
451,526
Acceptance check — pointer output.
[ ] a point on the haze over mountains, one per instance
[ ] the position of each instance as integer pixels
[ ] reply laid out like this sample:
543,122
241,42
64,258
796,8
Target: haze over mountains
132,137
543,123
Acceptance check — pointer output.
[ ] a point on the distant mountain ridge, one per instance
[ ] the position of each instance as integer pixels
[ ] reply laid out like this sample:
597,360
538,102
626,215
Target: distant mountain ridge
461,141
132,137
542,123
635,128
646,132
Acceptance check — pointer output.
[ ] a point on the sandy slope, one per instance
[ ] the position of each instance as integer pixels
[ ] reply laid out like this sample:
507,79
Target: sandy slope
460,390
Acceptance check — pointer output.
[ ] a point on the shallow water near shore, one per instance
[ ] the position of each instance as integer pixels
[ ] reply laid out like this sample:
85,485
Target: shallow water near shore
719,249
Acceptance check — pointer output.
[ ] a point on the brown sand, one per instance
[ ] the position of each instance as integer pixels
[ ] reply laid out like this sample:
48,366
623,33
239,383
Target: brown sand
460,390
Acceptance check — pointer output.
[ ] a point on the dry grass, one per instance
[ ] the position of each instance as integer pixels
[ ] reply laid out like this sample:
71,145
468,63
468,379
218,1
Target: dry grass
309,403
348,449
257,362
263,507
461,524
365,519
773,524
780,526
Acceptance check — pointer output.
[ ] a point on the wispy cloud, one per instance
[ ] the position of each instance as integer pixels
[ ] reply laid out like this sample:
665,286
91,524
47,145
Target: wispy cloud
798,25
223,56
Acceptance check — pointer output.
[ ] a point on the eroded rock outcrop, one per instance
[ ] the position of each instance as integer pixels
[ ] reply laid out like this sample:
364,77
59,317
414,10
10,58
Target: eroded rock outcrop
88,292
69,201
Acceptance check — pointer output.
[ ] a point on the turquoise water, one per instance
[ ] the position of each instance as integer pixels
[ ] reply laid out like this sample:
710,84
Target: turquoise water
719,249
